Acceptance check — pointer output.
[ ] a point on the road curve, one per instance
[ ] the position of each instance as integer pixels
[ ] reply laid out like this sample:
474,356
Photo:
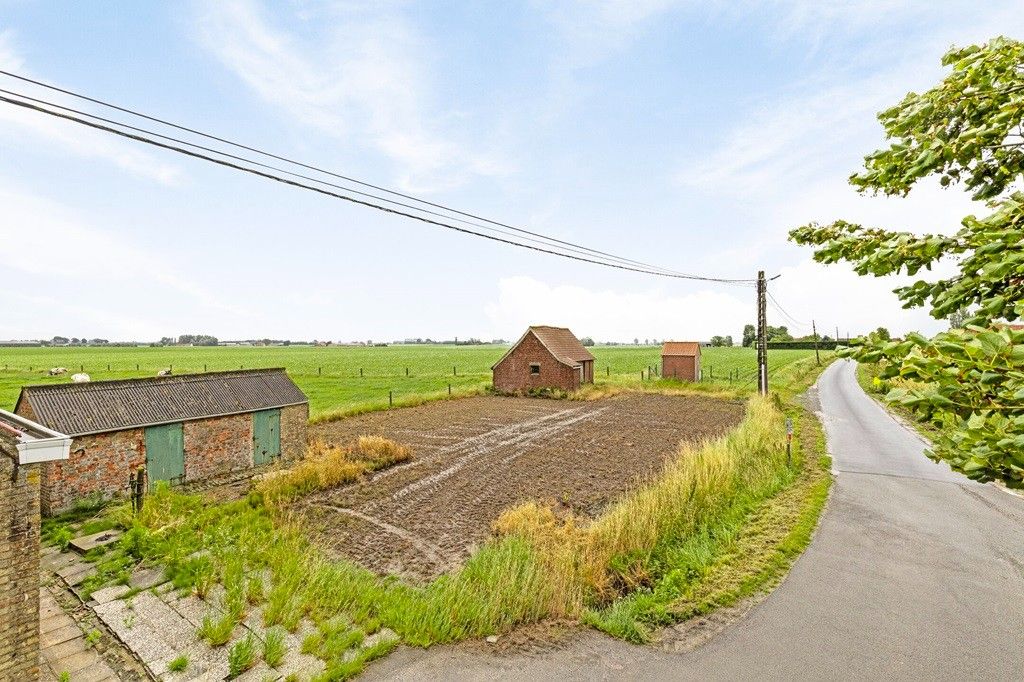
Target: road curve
914,573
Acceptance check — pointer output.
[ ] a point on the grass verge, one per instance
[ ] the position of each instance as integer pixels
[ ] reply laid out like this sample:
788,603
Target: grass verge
876,387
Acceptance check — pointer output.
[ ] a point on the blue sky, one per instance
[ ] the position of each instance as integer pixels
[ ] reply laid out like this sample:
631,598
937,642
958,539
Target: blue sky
689,134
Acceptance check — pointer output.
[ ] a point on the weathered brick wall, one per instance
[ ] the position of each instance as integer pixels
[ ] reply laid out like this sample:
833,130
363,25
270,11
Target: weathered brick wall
217,446
215,449
679,367
19,566
512,374
98,466
294,421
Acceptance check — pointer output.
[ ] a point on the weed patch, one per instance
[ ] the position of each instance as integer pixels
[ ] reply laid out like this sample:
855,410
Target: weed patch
328,466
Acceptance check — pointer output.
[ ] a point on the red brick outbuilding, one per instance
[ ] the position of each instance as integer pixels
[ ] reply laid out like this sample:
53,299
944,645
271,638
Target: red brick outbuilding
182,429
544,357
681,360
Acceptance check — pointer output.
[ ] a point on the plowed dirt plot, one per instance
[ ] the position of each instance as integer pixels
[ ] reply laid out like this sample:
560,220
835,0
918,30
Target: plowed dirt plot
475,457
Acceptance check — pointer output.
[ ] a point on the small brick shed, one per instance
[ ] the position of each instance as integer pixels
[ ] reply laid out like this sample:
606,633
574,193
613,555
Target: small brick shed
544,357
681,360
182,429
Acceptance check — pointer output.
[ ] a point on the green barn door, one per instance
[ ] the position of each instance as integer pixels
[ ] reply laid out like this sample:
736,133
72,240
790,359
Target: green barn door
266,436
165,453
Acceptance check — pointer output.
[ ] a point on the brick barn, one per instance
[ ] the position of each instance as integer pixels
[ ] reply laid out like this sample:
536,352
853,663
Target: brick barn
544,357
182,429
681,360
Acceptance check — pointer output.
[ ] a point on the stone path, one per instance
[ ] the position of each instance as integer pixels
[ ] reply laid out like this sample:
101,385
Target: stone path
63,647
155,624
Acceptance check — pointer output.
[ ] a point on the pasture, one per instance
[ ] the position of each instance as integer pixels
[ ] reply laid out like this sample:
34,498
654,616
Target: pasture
352,379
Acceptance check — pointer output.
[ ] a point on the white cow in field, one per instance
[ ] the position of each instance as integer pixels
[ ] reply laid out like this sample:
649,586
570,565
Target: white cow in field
58,370
80,378
164,372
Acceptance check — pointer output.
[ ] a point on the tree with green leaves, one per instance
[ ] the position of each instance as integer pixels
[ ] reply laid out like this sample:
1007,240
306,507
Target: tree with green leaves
967,130
749,335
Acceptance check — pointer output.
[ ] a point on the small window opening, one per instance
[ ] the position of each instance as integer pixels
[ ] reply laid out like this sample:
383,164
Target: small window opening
535,368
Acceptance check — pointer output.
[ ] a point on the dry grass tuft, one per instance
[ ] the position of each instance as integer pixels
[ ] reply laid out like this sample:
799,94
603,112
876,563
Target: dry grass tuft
328,466
600,560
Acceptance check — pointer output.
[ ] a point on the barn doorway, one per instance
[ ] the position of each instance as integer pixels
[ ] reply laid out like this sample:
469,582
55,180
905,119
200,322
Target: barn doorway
266,436
165,453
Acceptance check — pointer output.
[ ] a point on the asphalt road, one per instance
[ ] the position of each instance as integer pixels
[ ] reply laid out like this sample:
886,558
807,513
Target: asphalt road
915,573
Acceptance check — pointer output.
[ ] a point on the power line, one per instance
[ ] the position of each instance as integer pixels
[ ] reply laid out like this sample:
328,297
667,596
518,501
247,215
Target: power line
320,190
640,265
778,306
309,178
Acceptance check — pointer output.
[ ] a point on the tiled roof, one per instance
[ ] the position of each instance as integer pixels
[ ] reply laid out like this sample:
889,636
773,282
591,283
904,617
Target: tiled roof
99,406
562,343
687,348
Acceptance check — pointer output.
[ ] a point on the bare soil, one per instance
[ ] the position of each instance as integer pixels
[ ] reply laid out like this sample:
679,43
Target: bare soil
474,458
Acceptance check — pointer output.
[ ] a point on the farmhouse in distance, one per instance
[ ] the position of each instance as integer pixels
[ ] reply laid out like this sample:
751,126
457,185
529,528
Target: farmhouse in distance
544,357
181,429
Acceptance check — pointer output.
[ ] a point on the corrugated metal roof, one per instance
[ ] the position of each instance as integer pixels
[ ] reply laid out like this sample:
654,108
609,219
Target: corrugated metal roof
99,406
687,348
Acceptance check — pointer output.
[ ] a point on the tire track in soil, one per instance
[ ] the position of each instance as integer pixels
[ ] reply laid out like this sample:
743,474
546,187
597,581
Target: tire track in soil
475,457
473,449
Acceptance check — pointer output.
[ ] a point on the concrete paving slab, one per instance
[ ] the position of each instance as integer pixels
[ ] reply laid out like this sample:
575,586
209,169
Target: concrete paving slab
54,622
105,594
63,649
86,542
97,672
75,662
59,636
146,578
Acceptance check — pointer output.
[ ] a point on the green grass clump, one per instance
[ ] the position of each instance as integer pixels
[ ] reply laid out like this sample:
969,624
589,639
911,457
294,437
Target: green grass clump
179,664
274,647
242,656
217,631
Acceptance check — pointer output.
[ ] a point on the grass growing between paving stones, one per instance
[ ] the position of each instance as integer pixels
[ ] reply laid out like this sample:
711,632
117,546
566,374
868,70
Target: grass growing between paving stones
179,664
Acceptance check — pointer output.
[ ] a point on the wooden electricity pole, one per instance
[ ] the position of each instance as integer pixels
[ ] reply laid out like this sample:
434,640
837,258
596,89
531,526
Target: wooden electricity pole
762,335
815,330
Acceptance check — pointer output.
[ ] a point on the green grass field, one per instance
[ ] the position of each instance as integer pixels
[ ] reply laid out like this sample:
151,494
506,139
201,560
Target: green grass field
330,376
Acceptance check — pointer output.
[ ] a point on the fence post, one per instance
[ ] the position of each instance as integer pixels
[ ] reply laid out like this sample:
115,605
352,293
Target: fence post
319,371
391,399
449,390
406,371
360,371
108,366
455,371
608,370
82,368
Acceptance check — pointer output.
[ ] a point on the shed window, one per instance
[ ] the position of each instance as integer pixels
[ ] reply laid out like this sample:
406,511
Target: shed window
534,368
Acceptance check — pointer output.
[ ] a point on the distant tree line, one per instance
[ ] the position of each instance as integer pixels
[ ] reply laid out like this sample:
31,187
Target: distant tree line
190,340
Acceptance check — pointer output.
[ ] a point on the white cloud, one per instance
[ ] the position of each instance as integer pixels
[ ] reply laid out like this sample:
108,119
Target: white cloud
15,122
612,315
830,296
365,79
40,238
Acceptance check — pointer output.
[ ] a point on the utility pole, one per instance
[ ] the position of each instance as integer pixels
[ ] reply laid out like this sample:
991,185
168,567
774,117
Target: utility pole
815,330
762,335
